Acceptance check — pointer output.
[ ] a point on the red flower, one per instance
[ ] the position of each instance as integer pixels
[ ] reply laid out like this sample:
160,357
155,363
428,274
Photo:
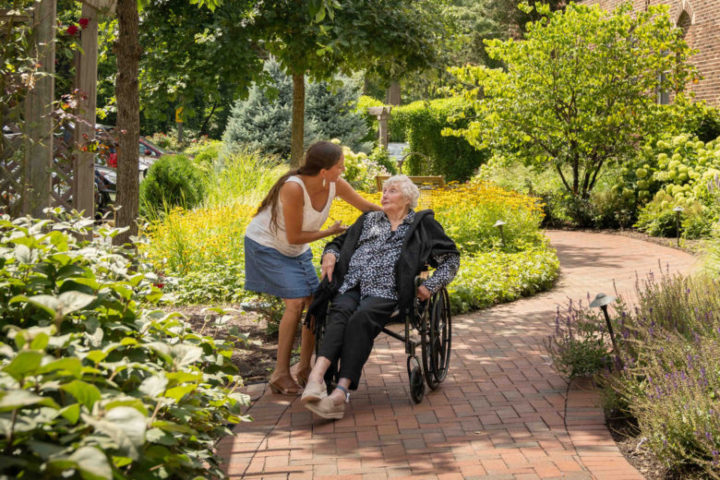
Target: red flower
72,30
84,23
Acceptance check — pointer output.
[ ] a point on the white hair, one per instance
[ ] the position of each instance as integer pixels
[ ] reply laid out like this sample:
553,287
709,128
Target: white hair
406,186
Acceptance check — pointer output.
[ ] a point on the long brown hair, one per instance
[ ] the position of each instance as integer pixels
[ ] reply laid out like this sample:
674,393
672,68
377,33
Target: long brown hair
319,156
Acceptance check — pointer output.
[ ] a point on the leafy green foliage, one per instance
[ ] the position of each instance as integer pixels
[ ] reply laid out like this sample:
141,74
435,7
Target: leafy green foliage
564,99
198,58
682,174
489,278
172,180
92,385
381,157
390,37
421,124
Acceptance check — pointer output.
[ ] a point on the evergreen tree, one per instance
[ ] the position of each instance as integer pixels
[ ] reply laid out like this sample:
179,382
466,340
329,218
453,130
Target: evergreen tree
263,121
332,107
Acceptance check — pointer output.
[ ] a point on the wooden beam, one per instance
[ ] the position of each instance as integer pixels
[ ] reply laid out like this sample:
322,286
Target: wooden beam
38,106
86,82
104,6
6,16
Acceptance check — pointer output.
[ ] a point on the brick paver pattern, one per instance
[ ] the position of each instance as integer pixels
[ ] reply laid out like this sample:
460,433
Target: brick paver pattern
502,413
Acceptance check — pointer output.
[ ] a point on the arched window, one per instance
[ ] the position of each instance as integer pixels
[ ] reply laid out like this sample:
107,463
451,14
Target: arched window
684,22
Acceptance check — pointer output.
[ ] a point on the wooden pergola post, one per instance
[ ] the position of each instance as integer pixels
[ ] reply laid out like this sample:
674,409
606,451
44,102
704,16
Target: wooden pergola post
38,107
86,83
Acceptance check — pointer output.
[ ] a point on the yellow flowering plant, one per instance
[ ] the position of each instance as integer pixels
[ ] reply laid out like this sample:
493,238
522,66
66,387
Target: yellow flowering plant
202,249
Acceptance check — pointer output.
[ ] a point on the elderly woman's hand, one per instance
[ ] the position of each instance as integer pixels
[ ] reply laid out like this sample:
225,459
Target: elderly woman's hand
327,266
423,293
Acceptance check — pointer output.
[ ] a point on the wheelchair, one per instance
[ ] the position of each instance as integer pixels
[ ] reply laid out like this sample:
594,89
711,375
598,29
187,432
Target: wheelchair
428,326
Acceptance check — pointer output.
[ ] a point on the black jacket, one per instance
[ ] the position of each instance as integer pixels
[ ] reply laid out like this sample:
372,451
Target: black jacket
425,240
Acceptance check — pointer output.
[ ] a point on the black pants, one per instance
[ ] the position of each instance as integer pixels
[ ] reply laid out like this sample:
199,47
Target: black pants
350,333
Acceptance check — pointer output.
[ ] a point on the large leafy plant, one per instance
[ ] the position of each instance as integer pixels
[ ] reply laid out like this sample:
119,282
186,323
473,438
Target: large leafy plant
92,384
579,90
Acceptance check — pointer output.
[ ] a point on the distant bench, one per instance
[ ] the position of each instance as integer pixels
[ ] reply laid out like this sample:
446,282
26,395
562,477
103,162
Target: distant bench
431,181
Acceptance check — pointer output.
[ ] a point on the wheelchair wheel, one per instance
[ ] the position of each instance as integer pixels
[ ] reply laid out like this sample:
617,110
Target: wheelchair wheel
437,339
417,387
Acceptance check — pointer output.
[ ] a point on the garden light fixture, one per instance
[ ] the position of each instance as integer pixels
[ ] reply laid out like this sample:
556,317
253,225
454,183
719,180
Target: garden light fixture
499,224
678,210
602,301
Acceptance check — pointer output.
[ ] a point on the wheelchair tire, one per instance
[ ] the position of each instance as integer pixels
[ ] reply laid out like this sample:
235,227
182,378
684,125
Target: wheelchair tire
437,339
417,386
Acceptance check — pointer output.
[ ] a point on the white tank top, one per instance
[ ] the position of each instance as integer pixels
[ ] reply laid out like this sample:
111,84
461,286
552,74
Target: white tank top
260,230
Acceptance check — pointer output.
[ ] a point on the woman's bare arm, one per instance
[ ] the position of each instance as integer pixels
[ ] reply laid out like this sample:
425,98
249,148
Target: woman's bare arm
292,198
347,193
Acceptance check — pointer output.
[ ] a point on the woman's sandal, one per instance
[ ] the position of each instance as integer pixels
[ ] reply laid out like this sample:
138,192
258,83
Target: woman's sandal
290,390
314,392
326,408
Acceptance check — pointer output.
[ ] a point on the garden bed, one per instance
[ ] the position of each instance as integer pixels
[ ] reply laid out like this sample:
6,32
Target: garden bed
632,445
255,357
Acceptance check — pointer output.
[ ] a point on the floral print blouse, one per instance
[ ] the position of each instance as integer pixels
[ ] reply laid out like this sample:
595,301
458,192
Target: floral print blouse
372,266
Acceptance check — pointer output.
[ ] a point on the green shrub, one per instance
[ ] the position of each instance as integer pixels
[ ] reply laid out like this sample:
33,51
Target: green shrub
243,176
93,385
173,180
682,172
488,278
707,127
578,346
166,142
361,170
381,157
421,124
544,185
205,153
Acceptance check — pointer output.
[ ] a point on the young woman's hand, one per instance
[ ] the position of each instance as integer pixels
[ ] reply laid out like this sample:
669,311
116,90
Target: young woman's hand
423,293
337,228
327,266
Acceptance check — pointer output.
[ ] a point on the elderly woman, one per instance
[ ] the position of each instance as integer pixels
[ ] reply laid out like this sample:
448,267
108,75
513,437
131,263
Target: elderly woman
370,272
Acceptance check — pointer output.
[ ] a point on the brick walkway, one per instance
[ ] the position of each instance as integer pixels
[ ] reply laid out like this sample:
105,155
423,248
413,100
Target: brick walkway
502,413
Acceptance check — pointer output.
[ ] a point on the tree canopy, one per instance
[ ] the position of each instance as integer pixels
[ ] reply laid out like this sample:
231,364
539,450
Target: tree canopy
580,91
388,37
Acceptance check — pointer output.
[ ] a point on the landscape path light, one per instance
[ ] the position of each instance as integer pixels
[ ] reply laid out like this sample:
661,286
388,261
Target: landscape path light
602,301
678,210
499,224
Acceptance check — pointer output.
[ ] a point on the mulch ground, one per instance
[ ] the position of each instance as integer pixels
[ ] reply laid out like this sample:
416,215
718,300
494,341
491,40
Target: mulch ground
255,358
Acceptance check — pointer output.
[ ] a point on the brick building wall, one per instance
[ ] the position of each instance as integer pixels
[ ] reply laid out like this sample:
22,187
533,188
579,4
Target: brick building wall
701,20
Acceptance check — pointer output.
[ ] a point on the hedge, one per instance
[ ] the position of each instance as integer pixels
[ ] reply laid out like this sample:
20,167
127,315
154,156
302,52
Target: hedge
421,124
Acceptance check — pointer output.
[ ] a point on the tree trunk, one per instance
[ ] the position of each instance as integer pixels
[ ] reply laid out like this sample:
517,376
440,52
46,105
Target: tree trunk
392,96
128,124
298,120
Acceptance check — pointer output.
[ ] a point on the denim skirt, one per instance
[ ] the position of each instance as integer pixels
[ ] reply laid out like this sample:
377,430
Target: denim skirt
269,271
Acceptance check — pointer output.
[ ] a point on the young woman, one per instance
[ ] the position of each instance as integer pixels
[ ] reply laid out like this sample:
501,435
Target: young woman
278,259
